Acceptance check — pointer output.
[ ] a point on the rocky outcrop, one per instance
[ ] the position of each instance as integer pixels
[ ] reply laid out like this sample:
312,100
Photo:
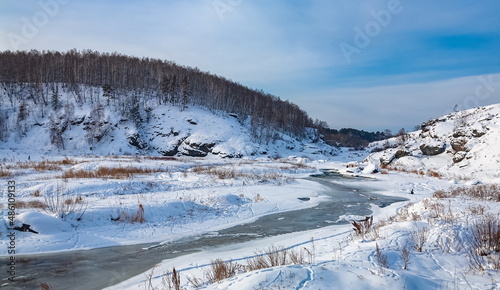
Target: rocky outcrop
197,149
401,153
136,141
432,149
459,156
392,154
458,144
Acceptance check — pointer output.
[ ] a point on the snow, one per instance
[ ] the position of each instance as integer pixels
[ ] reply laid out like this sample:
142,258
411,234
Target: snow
190,196
177,201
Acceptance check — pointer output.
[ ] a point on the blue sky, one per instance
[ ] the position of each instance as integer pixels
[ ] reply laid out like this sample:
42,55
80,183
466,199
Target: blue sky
365,64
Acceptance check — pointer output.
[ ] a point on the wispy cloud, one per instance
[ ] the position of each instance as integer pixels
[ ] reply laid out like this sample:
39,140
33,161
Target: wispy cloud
288,48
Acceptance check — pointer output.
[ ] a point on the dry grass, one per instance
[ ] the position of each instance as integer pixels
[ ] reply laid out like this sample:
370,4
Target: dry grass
490,192
278,256
429,172
31,204
220,270
43,166
110,172
4,173
230,173
135,217
45,286
171,280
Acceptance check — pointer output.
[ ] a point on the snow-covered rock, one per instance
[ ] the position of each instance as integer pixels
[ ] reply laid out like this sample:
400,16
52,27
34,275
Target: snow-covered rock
462,144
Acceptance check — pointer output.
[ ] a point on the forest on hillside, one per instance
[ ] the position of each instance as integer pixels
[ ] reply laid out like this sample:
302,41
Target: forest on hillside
133,85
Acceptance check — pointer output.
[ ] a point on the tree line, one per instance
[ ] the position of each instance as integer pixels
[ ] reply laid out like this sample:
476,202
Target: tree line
125,82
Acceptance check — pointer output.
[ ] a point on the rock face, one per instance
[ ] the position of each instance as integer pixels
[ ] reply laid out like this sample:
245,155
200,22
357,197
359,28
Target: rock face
401,153
432,149
390,155
459,156
136,141
197,149
458,144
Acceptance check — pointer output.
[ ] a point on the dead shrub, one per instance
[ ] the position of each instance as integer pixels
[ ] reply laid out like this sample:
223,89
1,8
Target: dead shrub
485,242
45,286
419,238
436,210
258,198
172,280
220,270
405,256
134,217
476,209
63,202
297,257
382,260
138,216
361,228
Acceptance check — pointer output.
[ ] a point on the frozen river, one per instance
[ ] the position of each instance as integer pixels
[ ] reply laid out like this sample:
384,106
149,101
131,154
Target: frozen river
103,267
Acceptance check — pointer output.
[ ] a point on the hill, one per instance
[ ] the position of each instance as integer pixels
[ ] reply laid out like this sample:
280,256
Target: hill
100,103
460,145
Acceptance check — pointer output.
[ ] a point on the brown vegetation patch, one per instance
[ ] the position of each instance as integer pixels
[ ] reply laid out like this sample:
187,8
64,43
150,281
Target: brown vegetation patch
31,204
489,192
110,172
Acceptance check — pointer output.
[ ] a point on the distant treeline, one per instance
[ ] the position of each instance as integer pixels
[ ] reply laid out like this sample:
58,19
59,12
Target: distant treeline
122,81
348,137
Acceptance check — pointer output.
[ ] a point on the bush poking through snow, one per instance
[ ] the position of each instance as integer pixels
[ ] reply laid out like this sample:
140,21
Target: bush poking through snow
419,238
135,217
172,280
382,260
64,202
485,242
361,228
220,270
405,256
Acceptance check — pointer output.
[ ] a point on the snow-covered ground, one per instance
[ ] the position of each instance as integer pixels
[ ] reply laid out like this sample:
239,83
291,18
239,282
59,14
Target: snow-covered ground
79,202
341,259
168,200
190,196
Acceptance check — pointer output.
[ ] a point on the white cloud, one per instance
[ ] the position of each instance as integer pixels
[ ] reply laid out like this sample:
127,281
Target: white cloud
393,107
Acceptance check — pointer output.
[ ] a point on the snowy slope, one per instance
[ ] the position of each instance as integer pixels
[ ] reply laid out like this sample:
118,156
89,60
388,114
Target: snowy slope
164,130
461,145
